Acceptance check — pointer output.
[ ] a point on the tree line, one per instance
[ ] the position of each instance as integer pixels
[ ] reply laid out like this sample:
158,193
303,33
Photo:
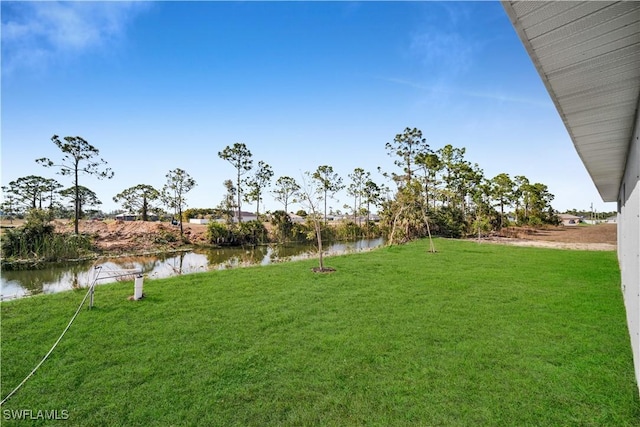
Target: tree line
443,189
432,190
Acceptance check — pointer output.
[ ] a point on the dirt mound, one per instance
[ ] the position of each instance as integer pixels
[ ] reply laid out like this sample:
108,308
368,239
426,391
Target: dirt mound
591,237
601,233
136,235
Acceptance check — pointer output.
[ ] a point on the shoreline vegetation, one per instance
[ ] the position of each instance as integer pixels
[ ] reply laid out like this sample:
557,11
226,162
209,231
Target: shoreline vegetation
37,241
470,335
40,242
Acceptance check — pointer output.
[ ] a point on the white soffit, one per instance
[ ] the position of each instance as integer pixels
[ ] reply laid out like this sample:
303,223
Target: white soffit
588,55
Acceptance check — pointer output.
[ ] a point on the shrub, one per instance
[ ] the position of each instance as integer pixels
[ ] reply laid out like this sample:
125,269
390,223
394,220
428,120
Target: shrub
449,222
300,233
372,229
251,233
283,226
37,240
349,230
219,234
245,233
163,237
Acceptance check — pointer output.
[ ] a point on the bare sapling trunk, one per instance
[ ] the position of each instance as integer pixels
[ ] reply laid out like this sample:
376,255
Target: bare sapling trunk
319,238
306,194
393,227
432,247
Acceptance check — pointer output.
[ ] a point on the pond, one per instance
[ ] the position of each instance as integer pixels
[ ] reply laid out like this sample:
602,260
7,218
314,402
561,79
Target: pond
16,284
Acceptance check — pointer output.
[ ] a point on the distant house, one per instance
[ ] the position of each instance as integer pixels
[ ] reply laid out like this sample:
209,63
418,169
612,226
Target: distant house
246,216
569,219
127,216
296,218
612,219
374,218
362,219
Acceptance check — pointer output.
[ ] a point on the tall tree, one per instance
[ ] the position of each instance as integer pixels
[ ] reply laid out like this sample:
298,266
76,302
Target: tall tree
540,199
240,158
228,203
138,199
257,183
469,177
356,189
286,188
372,195
521,196
179,183
502,192
328,183
9,202
431,164
32,190
481,195
406,146
453,162
79,157
85,197
51,187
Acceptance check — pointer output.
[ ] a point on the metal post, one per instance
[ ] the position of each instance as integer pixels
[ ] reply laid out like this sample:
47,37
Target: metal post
114,274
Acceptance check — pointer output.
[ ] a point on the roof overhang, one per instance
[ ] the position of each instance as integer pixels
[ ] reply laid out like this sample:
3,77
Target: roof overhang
588,56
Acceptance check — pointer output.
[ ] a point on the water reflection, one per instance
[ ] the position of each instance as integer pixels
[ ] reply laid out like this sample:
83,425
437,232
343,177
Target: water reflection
81,275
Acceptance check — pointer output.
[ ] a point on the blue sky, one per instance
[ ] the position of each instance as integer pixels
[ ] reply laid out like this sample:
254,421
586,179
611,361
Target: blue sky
162,85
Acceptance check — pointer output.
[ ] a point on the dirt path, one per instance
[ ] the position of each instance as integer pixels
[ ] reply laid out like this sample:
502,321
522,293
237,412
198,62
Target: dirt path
601,237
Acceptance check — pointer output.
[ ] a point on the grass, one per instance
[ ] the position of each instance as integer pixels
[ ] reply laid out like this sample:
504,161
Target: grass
472,335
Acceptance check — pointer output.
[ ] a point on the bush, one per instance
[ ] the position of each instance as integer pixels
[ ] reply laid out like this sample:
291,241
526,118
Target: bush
219,234
36,240
349,230
164,237
372,230
283,226
245,233
252,233
300,233
449,222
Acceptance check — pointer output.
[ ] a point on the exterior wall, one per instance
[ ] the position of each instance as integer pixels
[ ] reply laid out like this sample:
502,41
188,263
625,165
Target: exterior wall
246,218
629,243
198,221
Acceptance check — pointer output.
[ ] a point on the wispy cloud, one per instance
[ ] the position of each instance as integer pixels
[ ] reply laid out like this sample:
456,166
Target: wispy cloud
442,52
497,96
450,48
35,34
442,44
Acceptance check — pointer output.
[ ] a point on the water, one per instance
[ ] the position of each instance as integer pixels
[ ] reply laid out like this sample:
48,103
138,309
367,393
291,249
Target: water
16,284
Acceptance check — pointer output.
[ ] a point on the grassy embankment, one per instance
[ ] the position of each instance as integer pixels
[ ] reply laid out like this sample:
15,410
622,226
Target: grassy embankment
471,335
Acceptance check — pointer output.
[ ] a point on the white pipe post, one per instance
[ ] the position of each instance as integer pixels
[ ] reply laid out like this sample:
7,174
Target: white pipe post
137,288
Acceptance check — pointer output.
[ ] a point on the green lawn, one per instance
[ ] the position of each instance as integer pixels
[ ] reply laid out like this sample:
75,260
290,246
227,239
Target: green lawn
476,334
